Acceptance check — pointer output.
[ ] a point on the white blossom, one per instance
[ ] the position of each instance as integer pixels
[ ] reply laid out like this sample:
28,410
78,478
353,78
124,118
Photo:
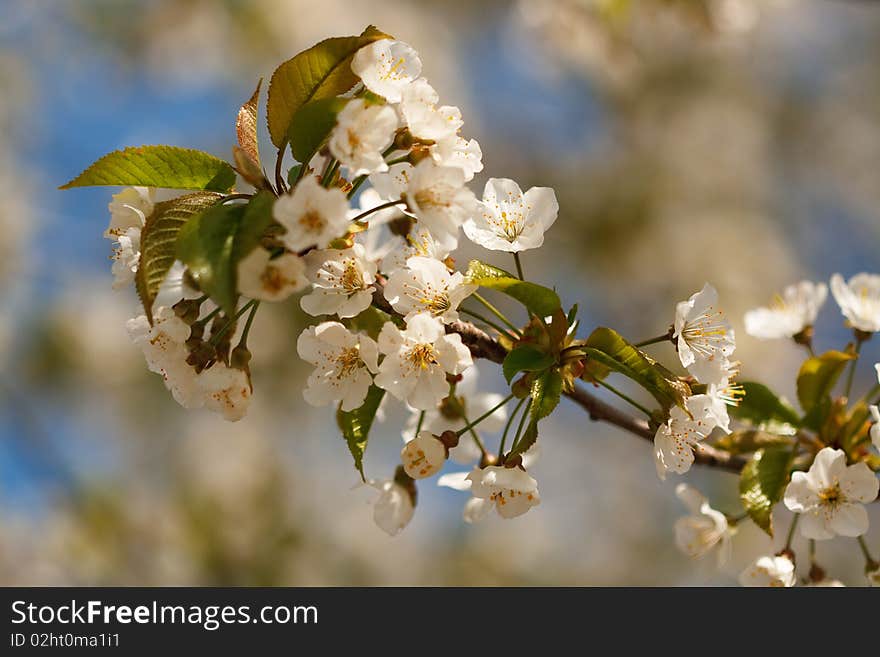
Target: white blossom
227,391
438,198
417,360
361,135
425,120
164,348
446,417
271,279
370,199
703,335
387,67
512,491
831,496
342,282
129,209
427,285
789,314
423,456
344,363
859,300
419,242
175,287
675,441
312,215
775,571
875,426
508,220
392,185
394,508
126,256
703,529
456,151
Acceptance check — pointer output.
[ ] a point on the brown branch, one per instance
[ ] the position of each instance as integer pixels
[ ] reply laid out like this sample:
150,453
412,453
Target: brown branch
482,345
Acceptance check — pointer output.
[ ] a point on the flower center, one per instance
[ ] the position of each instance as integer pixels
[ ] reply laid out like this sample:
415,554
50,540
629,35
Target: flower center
352,280
431,198
421,356
706,333
832,496
312,222
348,362
272,280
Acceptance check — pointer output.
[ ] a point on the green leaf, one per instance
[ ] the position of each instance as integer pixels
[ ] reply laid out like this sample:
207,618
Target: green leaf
525,358
213,243
322,71
762,483
528,438
546,392
355,425
540,300
760,405
610,349
158,239
246,126
818,375
742,442
369,321
158,166
312,125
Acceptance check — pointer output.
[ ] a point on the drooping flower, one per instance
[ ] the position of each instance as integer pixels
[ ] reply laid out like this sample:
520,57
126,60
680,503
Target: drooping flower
675,441
723,393
508,220
448,415
395,506
417,360
859,300
831,496
129,209
312,215
438,198
456,151
344,363
164,348
126,256
777,572
271,279
227,391
789,314
361,135
700,532
387,67
342,282
426,285
703,334
425,120
423,456
512,491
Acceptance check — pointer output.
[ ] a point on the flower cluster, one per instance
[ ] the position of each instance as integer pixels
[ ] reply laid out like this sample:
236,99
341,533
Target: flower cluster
365,227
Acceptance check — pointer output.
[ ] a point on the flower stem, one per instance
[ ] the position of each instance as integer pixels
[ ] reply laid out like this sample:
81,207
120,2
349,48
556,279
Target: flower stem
469,426
488,322
247,325
790,537
329,170
865,551
383,206
508,425
497,313
624,397
360,180
660,338
519,429
280,186
230,322
519,269
852,369
419,423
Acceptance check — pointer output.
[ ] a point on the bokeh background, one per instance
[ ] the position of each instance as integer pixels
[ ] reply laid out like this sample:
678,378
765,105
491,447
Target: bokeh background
735,141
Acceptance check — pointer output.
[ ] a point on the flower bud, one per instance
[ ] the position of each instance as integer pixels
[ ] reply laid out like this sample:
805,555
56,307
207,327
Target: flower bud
423,456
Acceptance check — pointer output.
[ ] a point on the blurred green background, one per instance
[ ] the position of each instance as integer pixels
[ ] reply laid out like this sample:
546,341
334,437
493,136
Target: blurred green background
734,141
